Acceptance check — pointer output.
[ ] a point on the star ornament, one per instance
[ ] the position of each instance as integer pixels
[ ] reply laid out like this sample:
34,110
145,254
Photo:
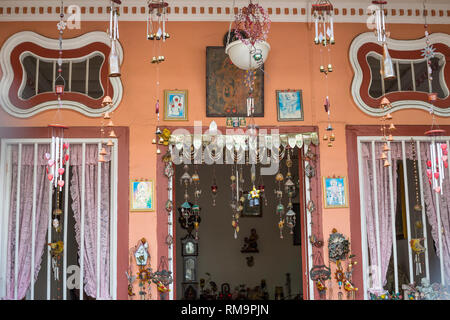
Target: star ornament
254,193
428,52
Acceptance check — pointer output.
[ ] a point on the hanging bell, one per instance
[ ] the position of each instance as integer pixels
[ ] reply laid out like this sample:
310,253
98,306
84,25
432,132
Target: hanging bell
325,137
386,163
151,36
330,68
332,137
390,138
383,156
107,115
110,143
103,152
158,151
114,62
388,66
385,147
154,141
112,134
106,101
391,126
166,35
388,116
330,144
322,69
110,124
101,158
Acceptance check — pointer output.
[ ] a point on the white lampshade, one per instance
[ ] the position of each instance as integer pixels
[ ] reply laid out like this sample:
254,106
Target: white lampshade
239,54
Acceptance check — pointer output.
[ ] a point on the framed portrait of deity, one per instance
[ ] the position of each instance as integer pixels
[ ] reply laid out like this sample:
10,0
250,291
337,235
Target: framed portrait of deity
335,192
175,105
142,195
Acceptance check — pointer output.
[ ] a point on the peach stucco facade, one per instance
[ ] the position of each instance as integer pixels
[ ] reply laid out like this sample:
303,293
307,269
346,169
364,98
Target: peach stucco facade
293,63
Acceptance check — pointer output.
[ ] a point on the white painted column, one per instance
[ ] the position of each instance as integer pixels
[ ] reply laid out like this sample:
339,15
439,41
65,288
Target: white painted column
394,234
17,239
33,223
408,220
66,210
83,191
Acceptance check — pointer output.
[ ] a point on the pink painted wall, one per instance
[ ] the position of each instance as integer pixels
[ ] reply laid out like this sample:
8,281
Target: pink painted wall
293,63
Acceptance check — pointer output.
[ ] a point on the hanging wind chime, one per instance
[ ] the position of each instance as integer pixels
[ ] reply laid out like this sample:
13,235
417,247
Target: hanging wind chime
386,129
289,188
322,12
114,61
214,187
438,150
236,201
190,212
156,31
56,163
280,207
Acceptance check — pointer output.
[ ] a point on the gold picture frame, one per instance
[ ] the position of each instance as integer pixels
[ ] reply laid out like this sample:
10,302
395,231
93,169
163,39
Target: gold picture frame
142,195
335,192
175,105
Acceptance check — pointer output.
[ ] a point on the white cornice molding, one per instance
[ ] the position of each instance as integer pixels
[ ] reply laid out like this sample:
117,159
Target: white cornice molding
348,11
53,44
401,45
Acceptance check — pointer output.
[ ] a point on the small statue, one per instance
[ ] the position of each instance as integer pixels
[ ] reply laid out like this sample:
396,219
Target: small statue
250,242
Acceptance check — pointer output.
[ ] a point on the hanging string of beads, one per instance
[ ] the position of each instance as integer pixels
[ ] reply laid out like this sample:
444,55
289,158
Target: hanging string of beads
438,150
280,207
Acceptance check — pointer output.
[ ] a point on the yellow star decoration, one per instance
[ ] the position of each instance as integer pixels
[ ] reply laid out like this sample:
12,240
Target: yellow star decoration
255,193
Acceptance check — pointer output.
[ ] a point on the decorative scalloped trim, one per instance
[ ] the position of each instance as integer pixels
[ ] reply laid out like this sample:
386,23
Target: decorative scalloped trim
402,45
400,11
53,44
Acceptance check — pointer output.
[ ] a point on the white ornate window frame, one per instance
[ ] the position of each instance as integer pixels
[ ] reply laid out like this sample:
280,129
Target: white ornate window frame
53,44
401,45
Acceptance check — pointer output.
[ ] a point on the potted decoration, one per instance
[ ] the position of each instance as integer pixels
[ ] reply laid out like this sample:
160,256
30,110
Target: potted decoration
249,50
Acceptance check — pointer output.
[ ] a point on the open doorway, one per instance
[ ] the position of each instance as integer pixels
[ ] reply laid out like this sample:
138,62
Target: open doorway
215,267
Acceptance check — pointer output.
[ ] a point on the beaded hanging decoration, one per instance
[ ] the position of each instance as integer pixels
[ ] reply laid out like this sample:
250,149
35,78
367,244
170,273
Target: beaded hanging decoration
280,207
57,160
438,150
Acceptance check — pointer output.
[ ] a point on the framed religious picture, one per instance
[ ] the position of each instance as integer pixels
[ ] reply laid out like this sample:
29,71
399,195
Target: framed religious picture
289,105
142,195
335,192
175,105
226,92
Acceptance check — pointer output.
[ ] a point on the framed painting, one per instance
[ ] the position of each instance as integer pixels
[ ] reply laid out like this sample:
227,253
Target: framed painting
289,105
226,93
335,192
175,105
142,195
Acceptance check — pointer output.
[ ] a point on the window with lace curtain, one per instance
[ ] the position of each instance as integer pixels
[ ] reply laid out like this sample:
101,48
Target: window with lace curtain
86,267
401,213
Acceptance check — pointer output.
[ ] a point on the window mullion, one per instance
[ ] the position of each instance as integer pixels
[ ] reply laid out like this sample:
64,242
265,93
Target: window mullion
398,76
413,76
70,76
87,77
36,89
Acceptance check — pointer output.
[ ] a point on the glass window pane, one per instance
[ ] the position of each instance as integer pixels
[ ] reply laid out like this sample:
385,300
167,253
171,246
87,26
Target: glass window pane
437,63
405,75
45,83
79,77
375,90
29,65
95,89
391,85
420,75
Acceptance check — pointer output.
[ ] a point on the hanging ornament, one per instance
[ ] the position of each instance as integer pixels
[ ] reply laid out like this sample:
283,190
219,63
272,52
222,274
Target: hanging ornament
320,273
438,150
387,70
280,207
418,249
417,205
214,187
156,27
114,61
236,202
322,12
387,127
145,273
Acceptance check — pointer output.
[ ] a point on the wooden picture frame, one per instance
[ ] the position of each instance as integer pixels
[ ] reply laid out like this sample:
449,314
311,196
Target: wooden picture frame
175,105
289,105
142,195
226,93
335,192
